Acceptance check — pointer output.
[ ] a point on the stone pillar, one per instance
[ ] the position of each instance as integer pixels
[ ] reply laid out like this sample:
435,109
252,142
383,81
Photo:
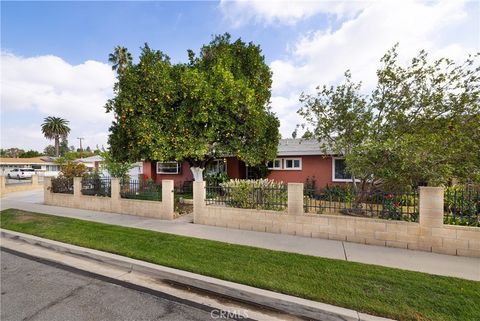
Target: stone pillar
199,195
431,207
115,188
168,199
47,189
35,180
295,198
2,184
77,186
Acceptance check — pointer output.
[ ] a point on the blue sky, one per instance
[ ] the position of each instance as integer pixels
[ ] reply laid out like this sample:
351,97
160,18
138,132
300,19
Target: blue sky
54,54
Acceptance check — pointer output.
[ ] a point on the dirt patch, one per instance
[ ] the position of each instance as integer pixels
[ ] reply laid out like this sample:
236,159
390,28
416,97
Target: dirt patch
24,217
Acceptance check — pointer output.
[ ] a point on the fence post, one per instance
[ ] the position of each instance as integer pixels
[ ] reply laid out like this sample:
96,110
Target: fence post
34,179
115,188
47,189
295,198
168,198
431,206
2,182
198,200
77,186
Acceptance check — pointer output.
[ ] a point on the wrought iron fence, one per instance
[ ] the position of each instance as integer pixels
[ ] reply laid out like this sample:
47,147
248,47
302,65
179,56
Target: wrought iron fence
96,186
266,198
462,205
399,205
142,190
186,190
62,185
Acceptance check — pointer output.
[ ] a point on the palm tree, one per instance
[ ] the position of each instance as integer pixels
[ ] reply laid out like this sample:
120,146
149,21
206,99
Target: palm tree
55,128
120,59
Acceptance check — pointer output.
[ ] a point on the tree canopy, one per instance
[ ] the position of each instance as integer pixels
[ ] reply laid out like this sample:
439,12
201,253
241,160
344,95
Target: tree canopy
420,124
215,105
56,128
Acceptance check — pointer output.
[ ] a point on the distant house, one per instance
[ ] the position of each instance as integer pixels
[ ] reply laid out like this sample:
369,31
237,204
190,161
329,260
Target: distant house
297,160
93,163
43,164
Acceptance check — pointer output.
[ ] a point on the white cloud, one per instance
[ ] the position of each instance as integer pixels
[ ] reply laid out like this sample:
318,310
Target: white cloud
320,57
36,87
269,12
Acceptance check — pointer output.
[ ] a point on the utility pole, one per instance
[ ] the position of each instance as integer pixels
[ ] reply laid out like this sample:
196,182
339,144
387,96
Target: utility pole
81,149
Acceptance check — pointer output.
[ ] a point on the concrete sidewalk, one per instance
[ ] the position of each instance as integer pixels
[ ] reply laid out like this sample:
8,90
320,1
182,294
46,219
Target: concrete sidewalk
433,263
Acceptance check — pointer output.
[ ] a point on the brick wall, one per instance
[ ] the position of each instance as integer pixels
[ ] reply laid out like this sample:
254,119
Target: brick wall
430,234
115,204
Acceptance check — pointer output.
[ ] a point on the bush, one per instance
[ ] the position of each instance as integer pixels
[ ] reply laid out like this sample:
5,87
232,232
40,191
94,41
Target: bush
261,194
72,169
216,179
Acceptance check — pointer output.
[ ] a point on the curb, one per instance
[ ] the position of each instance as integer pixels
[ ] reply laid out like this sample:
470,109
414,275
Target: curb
285,303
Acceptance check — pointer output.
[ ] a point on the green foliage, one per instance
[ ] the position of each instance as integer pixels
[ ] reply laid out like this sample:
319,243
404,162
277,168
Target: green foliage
462,205
310,186
11,152
30,153
216,178
71,169
338,193
420,125
261,194
215,105
115,168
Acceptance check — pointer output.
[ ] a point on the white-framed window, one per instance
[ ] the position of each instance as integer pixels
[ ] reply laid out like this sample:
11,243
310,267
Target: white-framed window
168,168
339,170
275,164
292,164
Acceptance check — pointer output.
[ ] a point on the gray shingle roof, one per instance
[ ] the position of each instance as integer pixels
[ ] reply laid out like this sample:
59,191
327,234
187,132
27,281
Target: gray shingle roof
299,147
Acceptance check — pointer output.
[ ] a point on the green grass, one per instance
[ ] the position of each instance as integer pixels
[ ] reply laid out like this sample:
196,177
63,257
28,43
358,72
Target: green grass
388,292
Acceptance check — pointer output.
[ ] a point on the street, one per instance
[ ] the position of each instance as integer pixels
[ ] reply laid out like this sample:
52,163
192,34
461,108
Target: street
35,291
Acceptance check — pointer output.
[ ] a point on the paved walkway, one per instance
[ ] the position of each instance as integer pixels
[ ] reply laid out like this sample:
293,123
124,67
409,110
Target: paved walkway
433,263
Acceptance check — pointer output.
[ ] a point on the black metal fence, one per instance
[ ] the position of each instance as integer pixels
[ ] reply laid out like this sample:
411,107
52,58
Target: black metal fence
462,205
96,186
142,190
377,204
62,185
186,190
266,198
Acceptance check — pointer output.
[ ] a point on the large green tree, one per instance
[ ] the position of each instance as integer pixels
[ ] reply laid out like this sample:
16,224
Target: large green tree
420,125
56,128
215,105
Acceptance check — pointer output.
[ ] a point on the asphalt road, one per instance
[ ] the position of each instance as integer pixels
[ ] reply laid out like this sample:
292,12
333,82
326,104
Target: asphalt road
32,290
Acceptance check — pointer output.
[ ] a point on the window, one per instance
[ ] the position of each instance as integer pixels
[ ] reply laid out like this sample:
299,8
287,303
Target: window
168,168
275,164
339,170
293,163
216,166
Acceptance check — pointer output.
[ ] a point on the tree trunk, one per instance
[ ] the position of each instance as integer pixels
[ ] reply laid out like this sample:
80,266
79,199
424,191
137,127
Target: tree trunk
197,173
57,146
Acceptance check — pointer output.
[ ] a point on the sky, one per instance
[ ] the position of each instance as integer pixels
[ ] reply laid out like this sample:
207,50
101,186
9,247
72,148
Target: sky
54,55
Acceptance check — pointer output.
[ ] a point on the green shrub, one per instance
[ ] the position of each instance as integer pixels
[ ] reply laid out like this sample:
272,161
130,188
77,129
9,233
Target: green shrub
260,193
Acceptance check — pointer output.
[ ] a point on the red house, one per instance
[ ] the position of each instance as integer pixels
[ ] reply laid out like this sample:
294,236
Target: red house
297,160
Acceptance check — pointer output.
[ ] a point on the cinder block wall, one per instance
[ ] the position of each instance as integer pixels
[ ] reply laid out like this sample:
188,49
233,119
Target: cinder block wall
430,234
115,204
5,188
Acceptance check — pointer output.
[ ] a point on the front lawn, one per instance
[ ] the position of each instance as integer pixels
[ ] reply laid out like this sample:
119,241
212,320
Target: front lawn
388,292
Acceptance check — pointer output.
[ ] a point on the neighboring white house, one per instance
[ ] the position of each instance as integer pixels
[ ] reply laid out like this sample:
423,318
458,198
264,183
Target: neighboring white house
94,163
43,165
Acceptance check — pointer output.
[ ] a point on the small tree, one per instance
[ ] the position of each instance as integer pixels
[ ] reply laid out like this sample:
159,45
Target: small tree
215,105
421,124
115,168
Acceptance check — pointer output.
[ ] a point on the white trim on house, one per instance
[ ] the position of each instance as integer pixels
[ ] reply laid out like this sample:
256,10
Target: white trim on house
177,166
274,166
343,180
293,168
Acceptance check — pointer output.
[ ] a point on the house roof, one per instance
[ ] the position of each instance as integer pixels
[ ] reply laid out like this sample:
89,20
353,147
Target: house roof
27,161
91,159
300,147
